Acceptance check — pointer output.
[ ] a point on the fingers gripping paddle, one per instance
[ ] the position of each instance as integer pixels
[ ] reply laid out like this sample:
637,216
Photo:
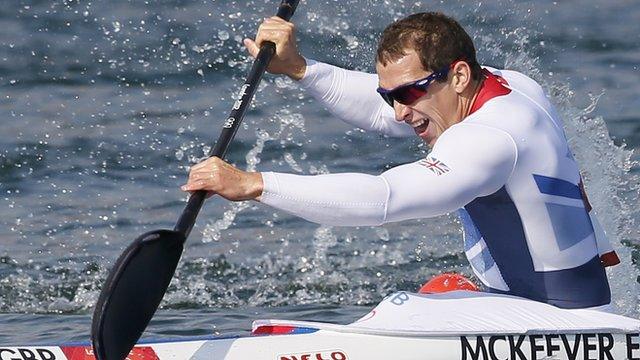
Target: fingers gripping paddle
140,277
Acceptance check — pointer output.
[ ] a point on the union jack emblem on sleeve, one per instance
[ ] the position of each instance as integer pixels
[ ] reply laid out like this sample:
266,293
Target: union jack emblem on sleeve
436,166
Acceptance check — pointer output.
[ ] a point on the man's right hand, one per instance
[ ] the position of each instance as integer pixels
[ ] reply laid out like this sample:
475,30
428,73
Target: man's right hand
287,60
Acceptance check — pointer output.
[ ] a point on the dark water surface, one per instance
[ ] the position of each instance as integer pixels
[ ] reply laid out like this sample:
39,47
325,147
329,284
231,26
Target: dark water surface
106,103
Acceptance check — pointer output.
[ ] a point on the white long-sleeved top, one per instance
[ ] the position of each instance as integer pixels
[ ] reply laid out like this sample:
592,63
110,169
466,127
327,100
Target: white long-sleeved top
506,166
352,97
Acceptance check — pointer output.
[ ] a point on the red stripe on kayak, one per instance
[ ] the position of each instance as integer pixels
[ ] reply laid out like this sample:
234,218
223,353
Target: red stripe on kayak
273,330
282,330
86,353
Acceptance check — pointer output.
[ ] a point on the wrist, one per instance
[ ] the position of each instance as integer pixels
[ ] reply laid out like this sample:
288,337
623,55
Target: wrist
299,68
256,185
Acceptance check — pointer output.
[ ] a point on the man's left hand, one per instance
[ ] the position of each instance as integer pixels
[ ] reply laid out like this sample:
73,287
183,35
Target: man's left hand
219,177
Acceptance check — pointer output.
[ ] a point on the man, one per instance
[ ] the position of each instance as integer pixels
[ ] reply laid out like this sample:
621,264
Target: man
499,155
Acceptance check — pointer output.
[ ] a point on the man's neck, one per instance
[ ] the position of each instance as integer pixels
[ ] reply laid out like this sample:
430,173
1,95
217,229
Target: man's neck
468,97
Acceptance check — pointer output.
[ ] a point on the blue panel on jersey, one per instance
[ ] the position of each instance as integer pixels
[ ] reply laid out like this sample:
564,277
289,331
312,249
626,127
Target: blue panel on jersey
557,187
471,233
483,261
570,224
498,221
579,287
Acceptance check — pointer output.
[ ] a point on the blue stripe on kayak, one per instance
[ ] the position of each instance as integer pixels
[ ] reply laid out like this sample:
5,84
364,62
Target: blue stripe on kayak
558,187
303,330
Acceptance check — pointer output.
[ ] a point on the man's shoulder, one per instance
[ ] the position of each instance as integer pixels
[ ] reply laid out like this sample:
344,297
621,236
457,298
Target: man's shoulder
472,133
512,76
523,106
521,84
510,113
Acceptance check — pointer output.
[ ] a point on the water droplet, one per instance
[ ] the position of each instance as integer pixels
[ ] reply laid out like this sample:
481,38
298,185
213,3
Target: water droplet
223,35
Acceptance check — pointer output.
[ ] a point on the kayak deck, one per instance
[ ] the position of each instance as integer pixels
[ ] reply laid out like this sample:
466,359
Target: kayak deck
327,345
405,326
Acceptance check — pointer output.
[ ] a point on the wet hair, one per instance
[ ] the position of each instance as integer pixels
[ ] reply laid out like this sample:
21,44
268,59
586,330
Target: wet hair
437,39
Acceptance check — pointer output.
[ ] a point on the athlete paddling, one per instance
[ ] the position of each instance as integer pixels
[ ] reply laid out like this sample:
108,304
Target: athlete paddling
499,156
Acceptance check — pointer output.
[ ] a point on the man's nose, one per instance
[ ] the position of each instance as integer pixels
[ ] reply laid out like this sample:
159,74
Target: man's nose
402,112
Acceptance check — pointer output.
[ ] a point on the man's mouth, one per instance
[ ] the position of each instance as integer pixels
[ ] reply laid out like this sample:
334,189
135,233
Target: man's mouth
420,126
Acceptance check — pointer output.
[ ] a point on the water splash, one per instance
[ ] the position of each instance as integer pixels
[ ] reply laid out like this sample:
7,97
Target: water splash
288,122
42,288
606,171
102,122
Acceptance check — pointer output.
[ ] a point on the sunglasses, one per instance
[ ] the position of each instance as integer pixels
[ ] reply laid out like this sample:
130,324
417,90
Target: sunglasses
407,94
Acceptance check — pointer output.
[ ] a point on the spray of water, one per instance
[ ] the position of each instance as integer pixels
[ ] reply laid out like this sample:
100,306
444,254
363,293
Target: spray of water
287,122
161,68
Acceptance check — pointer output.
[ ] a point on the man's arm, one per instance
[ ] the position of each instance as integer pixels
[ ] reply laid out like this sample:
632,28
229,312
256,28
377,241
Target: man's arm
468,161
350,95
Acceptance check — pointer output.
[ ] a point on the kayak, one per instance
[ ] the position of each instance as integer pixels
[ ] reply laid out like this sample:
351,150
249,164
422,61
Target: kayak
405,326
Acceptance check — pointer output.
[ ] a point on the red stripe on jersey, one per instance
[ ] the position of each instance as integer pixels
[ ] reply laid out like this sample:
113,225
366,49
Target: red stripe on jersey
491,87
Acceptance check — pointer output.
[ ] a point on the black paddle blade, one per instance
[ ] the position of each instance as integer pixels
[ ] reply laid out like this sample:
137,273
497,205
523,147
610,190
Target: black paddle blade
133,290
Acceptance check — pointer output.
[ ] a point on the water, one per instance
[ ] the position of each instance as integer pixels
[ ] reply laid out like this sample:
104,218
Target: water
106,103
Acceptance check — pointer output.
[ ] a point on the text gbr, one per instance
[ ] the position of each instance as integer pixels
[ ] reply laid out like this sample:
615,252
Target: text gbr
26,354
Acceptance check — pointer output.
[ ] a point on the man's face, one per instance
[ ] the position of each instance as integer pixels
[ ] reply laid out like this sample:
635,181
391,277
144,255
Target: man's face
431,114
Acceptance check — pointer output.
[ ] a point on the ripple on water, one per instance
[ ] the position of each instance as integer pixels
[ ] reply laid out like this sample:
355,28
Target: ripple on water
97,142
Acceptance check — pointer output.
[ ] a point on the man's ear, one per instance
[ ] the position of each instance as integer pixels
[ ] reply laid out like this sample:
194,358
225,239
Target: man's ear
462,78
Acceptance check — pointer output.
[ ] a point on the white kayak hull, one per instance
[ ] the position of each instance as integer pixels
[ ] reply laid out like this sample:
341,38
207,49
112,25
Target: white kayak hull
328,345
459,325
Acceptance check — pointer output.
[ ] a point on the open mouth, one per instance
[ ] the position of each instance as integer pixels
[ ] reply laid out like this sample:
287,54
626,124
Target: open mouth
420,126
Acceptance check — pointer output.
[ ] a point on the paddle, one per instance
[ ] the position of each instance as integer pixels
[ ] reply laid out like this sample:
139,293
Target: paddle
140,277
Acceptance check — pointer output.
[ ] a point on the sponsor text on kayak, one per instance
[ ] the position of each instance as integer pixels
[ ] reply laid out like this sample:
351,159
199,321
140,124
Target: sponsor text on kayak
321,355
600,346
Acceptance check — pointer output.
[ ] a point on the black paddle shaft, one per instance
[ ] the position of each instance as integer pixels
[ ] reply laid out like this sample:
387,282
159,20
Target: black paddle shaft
267,50
141,275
